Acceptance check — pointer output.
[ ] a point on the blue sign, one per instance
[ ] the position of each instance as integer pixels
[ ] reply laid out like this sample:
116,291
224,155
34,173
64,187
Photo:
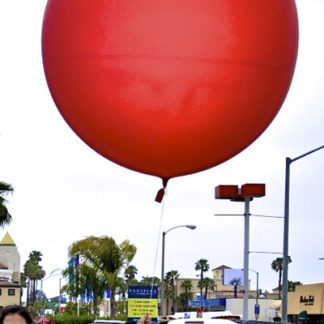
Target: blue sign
256,309
208,302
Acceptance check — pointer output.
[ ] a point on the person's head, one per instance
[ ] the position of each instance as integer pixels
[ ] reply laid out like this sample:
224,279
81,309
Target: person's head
15,314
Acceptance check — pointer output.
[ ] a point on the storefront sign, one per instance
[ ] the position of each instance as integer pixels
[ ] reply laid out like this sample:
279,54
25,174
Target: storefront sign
307,300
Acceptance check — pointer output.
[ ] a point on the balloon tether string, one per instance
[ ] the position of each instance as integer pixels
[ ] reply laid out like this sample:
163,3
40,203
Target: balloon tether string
159,235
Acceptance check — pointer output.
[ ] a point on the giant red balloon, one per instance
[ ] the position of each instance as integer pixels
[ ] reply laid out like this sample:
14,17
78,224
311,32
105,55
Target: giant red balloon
169,87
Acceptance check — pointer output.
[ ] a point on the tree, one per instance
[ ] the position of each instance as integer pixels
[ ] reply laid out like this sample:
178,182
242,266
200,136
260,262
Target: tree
101,260
170,279
186,295
34,272
130,274
292,285
202,266
236,282
277,265
5,217
207,284
149,281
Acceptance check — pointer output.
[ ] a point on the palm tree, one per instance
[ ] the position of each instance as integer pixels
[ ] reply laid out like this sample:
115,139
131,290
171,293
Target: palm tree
207,284
5,217
149,281
236,282
277,265
101,261
202,266
130,273
187,286
34,272
171,277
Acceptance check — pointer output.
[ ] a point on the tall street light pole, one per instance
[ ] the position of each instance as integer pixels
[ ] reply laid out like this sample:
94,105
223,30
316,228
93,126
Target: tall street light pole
192,227
244,194
286,234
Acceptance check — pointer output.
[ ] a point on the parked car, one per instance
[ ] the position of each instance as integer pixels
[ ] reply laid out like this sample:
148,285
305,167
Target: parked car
107,322
201,321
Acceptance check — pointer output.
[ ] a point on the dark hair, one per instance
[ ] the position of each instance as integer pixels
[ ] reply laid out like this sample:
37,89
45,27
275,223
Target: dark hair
15,309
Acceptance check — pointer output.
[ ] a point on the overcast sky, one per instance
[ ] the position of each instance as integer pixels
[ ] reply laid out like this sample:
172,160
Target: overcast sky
64,191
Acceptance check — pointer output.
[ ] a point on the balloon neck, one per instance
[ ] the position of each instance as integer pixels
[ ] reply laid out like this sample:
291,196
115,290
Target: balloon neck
161,192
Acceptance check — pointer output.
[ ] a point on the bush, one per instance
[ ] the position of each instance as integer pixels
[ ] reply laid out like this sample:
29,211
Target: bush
71,319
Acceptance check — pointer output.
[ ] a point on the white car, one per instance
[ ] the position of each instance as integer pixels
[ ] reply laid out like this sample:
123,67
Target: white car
219,317
201,321
107,322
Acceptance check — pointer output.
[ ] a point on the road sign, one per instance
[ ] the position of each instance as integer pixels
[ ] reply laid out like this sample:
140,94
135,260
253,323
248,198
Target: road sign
142,300
256,309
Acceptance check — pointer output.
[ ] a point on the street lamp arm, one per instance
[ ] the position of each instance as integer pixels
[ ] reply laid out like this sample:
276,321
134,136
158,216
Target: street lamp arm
305,154
192,227
51,275
57,269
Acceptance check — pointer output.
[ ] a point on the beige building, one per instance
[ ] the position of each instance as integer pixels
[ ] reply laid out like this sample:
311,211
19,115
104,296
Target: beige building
9,272
307,298
225,291
9,294
219,291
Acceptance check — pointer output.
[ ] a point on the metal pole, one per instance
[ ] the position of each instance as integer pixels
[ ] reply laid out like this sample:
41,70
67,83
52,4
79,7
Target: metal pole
285,245
257,294
60,295
192,227
286,234
246,257
162,274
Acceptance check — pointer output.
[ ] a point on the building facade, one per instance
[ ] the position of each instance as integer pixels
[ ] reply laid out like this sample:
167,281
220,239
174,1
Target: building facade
219,290
306,301
10,289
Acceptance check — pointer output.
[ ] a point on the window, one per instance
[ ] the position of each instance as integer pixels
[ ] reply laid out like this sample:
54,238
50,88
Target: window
11,292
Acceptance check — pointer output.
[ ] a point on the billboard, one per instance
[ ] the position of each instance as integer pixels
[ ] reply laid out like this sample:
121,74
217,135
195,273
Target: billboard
233,277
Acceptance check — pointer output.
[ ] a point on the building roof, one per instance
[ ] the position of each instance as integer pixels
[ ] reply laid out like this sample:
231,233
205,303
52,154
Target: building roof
8,284
222,267
7,240
3,267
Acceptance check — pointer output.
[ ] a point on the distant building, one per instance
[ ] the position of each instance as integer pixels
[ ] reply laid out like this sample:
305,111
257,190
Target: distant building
306,301
219,290
10,288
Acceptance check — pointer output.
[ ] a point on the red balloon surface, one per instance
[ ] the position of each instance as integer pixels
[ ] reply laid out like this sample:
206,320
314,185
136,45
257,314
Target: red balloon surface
169,87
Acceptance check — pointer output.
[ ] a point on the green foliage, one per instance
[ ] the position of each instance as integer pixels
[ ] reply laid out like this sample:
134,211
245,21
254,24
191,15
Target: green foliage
130,274
71,319
207,284
101,261
33,271
38,306
292,285
277,265
121,317
72,308
149,281
202,265
5,217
